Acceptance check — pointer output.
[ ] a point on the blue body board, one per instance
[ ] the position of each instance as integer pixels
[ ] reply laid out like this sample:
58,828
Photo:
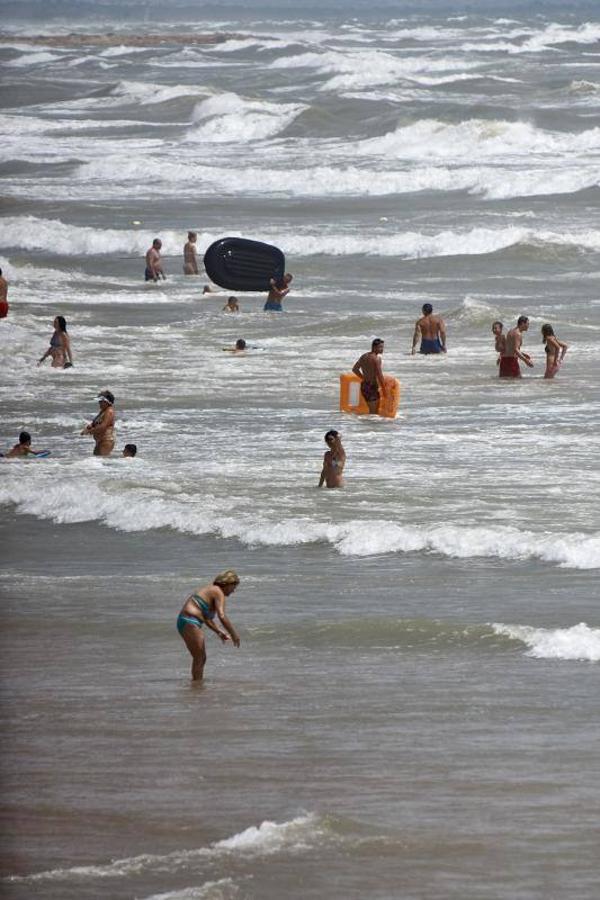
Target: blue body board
242,265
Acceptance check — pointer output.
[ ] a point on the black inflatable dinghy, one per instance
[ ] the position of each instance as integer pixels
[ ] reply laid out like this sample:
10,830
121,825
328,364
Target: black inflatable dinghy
242,265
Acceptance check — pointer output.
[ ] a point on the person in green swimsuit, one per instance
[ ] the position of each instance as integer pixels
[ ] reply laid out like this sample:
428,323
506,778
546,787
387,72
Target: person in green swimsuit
201,608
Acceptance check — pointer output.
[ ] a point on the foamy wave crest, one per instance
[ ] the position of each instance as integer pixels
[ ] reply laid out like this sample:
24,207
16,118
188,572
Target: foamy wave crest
490,181
267,839
224,889
356,69
584,87
580,642
227,118
475,139
53,236
84,498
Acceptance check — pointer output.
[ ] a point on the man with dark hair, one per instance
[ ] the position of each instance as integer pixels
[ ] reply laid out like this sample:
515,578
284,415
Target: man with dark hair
369,370
154,269
511,354
432,331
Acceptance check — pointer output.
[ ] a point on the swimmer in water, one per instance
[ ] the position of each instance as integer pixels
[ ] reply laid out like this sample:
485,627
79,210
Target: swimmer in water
499,339
154,269
102,426
23,448
334,461
432,331
277,291
60,346
129,451
3,296
512,353
190,260
240,346
555,351
369,369
199,610
232,305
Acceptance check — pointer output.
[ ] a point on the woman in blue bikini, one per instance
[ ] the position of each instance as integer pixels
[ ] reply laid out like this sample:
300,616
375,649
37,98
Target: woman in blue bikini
200,609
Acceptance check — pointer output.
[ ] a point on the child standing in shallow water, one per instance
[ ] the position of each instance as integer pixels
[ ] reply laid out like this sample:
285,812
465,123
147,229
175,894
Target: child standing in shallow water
555,351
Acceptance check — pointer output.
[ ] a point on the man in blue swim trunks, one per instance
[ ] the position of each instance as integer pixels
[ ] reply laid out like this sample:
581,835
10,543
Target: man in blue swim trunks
277,291
432,332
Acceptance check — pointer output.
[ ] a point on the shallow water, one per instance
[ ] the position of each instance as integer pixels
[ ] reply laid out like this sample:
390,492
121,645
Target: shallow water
413,707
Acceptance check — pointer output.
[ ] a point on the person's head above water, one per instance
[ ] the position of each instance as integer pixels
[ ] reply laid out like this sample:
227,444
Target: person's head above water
60,323
523,323
547,331
377,345
192,236
240,344
106,397
157,243
25,438
227,581
130,450
427,309
497,327
331,437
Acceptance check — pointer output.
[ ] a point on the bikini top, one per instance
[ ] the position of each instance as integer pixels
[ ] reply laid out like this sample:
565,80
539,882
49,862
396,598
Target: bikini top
207,611
55,340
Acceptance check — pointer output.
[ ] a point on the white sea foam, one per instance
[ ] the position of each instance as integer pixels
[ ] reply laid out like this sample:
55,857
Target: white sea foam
86,497
227,117
491,181
267,839
223,889
51,235
580,642
476,139
358,68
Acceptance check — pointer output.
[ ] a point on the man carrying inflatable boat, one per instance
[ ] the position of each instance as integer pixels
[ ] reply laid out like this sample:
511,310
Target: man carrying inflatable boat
369,370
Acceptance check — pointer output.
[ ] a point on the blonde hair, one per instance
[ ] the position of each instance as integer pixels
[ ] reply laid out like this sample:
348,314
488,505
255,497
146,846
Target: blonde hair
228,577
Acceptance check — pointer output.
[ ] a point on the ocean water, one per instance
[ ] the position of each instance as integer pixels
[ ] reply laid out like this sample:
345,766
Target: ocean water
412,712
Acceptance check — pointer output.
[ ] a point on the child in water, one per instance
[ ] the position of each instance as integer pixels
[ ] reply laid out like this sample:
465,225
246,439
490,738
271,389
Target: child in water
499,339
232,305
23,448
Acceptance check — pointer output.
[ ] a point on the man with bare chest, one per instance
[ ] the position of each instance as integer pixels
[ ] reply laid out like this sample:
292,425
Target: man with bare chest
432,331
369,370
512,353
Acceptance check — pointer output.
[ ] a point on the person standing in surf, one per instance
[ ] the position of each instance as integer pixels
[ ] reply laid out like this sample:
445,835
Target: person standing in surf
512,353
555,351
369,369
102,427
199,610
154,269
190,260
334,461
431,330
499,339
277,291
60,346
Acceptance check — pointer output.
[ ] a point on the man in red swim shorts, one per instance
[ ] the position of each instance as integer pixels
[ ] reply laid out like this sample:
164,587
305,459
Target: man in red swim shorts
511,354
369,370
